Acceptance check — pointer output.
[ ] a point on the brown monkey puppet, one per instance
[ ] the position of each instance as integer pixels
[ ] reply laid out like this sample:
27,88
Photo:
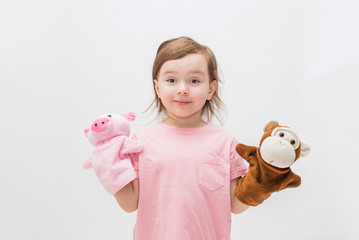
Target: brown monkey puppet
269,165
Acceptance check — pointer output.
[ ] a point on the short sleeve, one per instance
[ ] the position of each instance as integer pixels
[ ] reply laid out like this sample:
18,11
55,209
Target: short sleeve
239,166
134,159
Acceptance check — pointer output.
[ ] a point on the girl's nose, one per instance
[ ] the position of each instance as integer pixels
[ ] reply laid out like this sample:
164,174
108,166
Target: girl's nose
182,89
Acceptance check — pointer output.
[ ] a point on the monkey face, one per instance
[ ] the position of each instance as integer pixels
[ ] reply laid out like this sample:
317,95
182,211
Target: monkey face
279,149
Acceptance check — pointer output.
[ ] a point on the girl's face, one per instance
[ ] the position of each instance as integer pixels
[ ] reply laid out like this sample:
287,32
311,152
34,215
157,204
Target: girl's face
183,85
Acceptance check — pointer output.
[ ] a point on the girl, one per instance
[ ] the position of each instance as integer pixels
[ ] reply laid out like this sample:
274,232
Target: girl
187,173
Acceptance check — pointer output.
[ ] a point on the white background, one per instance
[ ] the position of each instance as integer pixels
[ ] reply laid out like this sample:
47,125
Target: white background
63,63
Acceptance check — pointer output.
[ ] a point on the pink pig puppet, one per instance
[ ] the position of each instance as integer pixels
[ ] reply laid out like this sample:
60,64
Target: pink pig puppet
110,159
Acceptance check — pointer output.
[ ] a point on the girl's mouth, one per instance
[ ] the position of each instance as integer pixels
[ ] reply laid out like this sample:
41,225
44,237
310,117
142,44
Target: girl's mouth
181,102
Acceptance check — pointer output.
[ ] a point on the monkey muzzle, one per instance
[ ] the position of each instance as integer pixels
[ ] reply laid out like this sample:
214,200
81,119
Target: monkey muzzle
277,152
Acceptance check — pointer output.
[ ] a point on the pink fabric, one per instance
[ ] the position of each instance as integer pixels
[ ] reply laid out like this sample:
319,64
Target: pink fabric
110,158
113,169
185,178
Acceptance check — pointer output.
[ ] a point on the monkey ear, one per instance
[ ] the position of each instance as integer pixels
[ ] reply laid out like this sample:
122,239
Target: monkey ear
270,124
304,149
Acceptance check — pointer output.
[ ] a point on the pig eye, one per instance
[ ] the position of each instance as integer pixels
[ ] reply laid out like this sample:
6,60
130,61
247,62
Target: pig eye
292,142
281,134
109,115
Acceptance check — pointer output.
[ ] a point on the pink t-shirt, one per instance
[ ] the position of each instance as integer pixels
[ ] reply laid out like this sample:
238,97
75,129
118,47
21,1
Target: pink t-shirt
184,176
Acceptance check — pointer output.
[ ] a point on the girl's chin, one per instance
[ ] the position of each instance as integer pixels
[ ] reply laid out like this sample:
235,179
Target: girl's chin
184,115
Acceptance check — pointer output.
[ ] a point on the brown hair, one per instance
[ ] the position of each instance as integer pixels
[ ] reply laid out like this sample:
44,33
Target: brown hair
177,48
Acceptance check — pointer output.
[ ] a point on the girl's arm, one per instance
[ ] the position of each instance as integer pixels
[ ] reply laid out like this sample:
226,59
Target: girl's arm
127,197
236,206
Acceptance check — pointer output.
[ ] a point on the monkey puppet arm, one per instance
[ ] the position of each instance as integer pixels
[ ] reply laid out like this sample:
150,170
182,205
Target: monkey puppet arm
262,179
244,151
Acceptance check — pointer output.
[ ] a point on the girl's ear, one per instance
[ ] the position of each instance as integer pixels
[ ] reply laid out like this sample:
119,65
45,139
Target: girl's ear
212,89
157,88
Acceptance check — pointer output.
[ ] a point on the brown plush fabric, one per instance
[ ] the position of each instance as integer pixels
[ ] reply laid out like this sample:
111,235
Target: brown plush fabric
262,179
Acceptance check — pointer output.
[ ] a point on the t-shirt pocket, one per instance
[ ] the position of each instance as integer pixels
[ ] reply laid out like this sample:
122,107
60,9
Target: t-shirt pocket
212,173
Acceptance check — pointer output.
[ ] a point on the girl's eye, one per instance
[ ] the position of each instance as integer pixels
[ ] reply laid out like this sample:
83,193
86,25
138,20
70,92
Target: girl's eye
194,81
170,80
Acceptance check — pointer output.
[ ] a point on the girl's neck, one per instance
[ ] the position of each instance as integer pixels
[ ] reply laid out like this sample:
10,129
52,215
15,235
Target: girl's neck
184,122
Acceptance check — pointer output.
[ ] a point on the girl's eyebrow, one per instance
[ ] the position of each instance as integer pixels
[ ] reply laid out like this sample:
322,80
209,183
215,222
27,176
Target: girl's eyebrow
169,72
193,71
197,71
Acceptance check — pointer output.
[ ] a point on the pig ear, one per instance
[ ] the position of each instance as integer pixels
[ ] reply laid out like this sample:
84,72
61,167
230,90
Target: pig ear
86,131
129,116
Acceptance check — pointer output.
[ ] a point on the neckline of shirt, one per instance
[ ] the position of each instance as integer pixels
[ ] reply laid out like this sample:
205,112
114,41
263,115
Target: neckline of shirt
185,130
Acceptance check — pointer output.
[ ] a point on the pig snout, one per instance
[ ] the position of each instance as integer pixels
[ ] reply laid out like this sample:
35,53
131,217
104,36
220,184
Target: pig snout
99,124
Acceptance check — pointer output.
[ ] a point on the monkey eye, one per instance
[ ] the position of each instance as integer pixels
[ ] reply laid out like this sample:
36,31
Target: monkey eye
292,141
281,134
109,115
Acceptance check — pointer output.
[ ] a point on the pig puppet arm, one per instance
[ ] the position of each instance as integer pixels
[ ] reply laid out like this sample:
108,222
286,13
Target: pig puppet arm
130,146
87,164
